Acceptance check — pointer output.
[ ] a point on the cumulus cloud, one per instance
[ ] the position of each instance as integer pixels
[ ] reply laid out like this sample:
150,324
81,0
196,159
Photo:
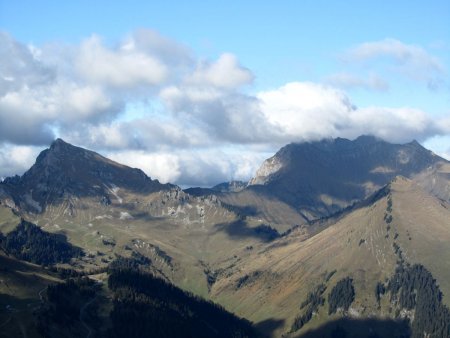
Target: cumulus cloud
198,123
229,117
124,67
411,60
209,98
35,99
151,134
170,52
305,111
226,72
19,67
85,87
309,111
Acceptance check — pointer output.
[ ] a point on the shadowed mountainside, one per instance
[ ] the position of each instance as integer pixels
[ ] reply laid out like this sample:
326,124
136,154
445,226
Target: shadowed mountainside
319,178
361,328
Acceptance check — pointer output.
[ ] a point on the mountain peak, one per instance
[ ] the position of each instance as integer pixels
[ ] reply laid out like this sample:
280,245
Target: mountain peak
61,145
58,142
66,170
415,143
324,176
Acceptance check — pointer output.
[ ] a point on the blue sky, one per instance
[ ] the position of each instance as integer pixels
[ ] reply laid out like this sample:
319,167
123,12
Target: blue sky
234,78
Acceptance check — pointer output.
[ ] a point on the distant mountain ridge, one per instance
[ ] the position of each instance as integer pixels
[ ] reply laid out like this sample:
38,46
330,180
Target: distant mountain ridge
231,186
316,179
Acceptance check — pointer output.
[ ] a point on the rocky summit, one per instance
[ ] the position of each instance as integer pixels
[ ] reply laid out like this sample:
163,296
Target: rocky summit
64,171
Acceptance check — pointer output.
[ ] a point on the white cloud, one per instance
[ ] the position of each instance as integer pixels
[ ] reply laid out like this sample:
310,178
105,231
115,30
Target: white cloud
305,111
196,124
164,167
226,73
410,60
225,116
126,66
19,67
392,124
308,111
170,52
151,134
16,159
194,168
398,50
29,114
72,88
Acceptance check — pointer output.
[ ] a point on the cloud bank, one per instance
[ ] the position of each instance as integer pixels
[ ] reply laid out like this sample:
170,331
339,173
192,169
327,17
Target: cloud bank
197,121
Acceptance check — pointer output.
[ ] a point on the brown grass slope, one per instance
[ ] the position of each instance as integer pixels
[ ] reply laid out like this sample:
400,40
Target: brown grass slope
270,284
436,180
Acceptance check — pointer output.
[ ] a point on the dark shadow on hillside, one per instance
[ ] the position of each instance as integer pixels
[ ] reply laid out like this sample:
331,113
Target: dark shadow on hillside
302,197
200,192
16,316
267,327
10,304
371,199
240,229
242,210
361,328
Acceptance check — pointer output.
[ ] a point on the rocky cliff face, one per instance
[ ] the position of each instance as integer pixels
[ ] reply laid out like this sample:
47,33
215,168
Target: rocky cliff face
268,169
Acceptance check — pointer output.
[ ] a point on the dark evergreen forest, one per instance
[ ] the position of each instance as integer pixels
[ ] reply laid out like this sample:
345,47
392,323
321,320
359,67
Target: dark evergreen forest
413,287
147,306
30,243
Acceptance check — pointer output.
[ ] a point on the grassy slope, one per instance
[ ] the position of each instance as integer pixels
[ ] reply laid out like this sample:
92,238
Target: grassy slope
197,235
8,220
292,269
427,221
279,274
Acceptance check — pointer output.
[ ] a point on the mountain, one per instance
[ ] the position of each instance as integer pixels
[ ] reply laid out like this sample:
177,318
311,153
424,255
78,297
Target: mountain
64,171
319,178
400,227
109,209
331,238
